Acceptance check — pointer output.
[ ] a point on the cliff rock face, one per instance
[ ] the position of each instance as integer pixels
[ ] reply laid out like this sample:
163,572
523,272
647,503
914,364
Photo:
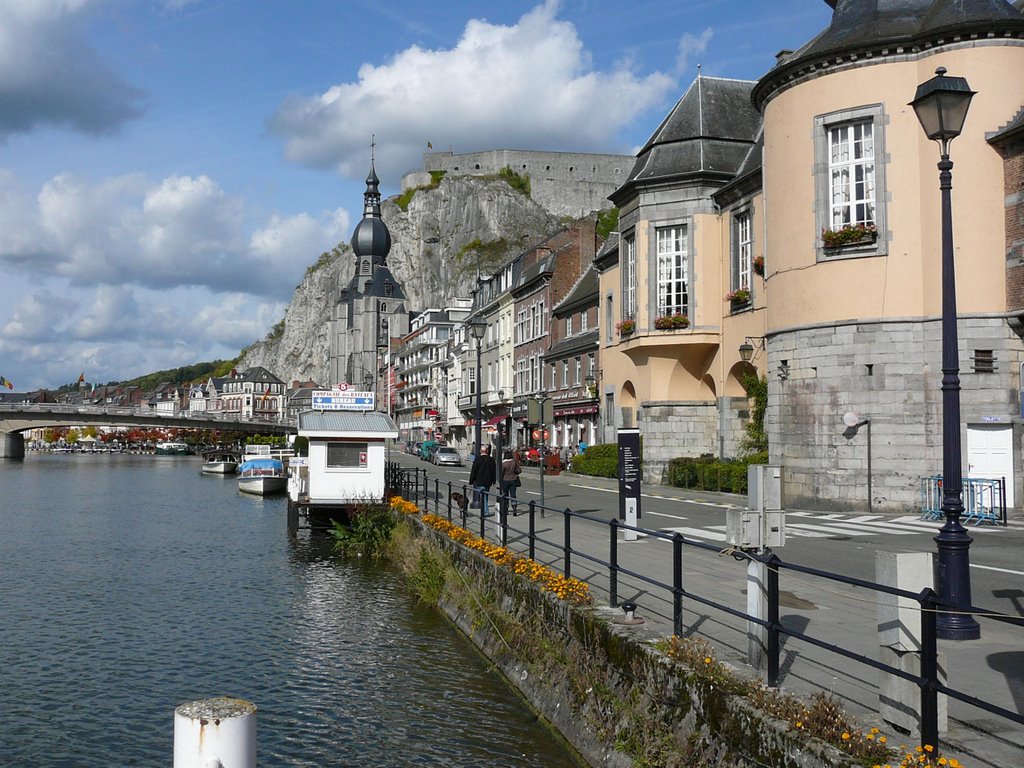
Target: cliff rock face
445,232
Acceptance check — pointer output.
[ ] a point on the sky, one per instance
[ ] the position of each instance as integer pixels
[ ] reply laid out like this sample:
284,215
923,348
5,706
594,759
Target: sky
169,168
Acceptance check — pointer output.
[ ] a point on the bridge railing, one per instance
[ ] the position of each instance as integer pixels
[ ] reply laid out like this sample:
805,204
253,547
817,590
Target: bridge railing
128,412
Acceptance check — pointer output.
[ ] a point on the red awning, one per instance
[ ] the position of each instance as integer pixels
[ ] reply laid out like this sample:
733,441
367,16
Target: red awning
495,420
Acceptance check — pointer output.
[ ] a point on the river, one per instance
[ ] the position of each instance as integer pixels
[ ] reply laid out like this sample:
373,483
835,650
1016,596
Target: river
130,584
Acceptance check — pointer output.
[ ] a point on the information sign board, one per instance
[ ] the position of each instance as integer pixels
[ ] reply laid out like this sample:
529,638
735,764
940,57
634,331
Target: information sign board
629,473
338,400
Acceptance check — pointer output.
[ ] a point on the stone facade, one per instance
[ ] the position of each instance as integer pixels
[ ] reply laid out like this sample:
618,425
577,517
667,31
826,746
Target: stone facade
564,183
890,372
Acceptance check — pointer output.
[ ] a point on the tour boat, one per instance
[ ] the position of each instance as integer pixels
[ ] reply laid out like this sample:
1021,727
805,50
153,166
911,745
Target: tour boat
220,462
172,449
262,476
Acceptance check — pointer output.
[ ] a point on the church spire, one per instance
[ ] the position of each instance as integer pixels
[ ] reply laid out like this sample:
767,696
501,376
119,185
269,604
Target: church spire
371,198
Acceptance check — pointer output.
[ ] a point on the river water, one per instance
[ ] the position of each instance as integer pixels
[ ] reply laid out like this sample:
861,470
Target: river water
131,584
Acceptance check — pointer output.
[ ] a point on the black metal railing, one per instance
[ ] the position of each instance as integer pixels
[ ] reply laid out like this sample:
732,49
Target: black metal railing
456,501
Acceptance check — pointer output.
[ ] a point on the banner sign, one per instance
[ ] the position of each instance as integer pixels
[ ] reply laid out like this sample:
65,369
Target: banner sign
338,400
629,473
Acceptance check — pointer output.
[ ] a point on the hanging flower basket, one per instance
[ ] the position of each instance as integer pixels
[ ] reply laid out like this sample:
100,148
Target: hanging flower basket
671,322
851,234
759,266
626,327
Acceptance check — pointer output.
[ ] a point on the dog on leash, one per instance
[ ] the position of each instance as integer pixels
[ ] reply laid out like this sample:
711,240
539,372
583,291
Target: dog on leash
460,501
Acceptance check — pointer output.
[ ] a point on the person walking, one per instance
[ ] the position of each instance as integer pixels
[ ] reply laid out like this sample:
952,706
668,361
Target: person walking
510,471
482,476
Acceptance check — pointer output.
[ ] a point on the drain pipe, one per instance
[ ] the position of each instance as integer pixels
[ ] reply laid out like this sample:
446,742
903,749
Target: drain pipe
215,733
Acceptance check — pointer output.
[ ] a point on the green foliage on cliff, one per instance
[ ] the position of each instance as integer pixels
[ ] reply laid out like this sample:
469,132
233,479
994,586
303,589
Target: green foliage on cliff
520,183
182,375
277,331
326,258
607,222
485,255
403,200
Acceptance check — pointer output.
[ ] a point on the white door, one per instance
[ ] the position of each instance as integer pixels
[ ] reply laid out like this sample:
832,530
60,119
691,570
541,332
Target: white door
990,454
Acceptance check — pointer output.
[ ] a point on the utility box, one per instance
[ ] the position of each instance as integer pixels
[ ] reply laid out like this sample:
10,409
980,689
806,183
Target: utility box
764,487
749,529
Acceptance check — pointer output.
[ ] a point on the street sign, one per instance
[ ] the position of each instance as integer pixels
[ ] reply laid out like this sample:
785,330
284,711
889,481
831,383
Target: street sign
337,400
629,474
541,434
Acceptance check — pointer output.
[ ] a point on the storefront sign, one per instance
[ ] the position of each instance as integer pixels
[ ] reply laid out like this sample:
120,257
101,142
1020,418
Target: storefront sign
578,411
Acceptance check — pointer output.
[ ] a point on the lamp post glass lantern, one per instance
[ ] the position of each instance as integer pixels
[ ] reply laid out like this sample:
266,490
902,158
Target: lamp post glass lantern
478,327
941,105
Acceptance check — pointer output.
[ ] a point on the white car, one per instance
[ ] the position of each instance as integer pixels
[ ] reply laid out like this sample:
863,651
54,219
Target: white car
447,456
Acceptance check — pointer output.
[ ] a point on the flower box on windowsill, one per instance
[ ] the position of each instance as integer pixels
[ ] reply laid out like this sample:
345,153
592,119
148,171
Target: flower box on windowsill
834,240
626,328
738,299
671,322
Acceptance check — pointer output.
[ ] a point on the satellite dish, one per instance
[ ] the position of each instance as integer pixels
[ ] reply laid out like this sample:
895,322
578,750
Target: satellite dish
851,419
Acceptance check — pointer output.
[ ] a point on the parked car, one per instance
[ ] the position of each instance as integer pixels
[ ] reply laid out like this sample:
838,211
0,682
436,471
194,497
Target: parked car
447,456
413,448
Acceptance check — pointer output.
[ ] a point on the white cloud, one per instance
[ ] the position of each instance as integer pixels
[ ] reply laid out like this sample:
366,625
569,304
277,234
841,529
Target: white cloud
531,84
691,46
49,75
37,317
181,231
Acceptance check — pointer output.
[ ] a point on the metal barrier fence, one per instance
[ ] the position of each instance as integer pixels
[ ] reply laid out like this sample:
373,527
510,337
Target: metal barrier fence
984,500
453,501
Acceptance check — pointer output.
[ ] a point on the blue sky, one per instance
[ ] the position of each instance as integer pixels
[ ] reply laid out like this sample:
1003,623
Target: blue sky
169,168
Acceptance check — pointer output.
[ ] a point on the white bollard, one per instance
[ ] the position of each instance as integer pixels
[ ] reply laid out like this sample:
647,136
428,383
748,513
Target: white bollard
215,733
631,534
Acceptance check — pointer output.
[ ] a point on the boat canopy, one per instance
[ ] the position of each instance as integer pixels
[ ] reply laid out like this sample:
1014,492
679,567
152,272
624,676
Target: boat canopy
251,464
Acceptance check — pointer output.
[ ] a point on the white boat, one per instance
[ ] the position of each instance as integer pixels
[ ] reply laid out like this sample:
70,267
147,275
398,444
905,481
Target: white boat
262,476
220,462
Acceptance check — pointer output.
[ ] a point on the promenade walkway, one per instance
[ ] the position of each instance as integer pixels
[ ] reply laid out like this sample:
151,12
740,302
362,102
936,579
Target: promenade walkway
991,669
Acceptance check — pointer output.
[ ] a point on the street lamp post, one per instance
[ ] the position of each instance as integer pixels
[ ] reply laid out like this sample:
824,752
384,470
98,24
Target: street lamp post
941,105
478,328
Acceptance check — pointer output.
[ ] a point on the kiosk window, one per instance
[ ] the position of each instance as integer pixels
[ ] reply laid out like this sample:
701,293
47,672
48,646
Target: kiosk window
346,455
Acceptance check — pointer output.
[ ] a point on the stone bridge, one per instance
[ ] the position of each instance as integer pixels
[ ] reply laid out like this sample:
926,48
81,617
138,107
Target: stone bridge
15,418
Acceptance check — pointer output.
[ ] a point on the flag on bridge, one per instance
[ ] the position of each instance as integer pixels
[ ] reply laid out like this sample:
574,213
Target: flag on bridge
5,382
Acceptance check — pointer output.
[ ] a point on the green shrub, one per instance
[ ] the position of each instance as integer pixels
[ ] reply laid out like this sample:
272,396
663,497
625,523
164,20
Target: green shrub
607,222
707,473
598,461
520,183
368,531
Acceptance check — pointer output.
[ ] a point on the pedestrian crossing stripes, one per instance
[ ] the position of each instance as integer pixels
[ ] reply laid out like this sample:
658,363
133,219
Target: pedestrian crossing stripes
819,525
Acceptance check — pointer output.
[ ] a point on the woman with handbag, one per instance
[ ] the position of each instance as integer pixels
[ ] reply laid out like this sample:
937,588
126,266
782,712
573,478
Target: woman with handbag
509,480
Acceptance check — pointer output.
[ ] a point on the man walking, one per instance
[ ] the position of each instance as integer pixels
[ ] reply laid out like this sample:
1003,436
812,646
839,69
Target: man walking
482,476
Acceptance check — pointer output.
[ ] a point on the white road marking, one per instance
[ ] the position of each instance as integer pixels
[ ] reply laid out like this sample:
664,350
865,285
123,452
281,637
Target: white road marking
1000,570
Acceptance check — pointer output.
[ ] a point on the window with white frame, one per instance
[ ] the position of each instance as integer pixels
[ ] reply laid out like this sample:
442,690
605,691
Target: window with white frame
583,320
579,372
742,251
471,381
565,373
672,294
534,373
851,167
849,179
629,277
568,326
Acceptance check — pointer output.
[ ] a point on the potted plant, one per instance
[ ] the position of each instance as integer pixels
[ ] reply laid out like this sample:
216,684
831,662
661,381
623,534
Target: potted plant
759,266
626,327
849,234
671,322
738,296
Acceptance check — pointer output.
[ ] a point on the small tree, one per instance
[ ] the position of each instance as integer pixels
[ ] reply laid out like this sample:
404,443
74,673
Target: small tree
755,439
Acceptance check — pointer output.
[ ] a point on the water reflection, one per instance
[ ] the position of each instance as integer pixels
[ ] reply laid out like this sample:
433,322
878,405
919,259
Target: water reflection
132,584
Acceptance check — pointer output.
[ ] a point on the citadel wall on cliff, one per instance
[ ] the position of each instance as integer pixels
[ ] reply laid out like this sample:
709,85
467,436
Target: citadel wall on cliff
564,183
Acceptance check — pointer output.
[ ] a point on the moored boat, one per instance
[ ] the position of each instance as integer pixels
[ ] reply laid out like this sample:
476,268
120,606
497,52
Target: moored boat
172,449
220,462
262,476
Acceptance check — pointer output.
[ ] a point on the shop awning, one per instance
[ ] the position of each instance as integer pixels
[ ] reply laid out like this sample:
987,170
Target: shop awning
495,420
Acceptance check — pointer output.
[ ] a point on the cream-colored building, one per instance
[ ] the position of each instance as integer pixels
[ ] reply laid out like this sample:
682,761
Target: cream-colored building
827,139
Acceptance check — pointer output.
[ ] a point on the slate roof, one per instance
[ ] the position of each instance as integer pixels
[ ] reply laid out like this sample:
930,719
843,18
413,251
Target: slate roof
580,342
1014,128
707,134
862,26
359,422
